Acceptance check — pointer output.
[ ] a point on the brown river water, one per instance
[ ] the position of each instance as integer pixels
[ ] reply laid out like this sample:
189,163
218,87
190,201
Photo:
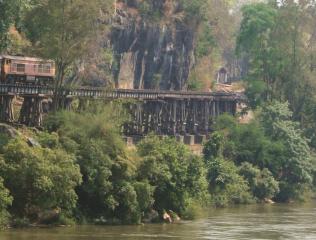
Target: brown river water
246,222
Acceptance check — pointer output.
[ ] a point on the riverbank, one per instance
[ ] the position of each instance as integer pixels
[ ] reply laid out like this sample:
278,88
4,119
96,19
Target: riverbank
79,170
270,222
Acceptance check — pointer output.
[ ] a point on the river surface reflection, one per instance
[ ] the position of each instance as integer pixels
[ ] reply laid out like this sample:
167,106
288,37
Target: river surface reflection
276,222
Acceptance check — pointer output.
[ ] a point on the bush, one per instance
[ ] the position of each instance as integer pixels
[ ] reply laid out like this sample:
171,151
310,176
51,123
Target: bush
4,139
273,143
213,147
175,174
109,192
226,185
5,202
193,210
39,179
262,183
48,140
294,168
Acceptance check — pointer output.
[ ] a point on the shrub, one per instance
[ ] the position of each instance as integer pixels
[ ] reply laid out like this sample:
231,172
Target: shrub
175,174
261,182
5,202
226,185
39,179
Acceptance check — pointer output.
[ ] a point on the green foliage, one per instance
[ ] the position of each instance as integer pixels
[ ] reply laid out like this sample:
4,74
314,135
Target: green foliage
193,210
148,11
4,139
64,32
213,148
48,140
261,182
194,84
62,29
8,10
272,144
226,185
145,194
295,168
175,174
36,178
194,9
109,192
5,202
258,21
205,42
255,92
277,44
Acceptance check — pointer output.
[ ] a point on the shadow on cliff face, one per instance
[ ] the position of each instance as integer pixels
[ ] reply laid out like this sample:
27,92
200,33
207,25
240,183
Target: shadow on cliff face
153,49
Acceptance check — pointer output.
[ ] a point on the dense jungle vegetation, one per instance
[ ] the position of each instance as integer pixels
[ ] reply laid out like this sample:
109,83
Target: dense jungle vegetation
78,169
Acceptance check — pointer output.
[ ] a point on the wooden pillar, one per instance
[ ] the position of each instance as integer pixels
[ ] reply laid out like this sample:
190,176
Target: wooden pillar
226,105
83,104
66,104
218,108
234,107
37,114
157,117
31,113
164,118
206,116
183,117
174,117
146,117
195,117
6,108
139,119
213,109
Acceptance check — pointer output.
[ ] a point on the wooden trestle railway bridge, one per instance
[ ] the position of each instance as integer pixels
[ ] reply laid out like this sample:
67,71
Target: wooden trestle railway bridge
162,112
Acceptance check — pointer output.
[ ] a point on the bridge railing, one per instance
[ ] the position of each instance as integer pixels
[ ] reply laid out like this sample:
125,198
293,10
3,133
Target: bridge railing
24,89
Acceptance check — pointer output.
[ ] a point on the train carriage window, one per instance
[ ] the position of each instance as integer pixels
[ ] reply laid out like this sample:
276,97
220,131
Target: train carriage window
44,68
47,68
13,67
17,67
40,68
20,68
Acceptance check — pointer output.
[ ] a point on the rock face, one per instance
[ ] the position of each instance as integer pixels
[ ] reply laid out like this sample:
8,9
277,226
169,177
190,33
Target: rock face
153,48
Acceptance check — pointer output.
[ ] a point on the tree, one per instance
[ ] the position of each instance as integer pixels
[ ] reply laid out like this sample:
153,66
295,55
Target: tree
295,168
255,42
278,40
8,9
261,182
39,179
109,192
62,30
213,147
225,184
273,141
176,175
12,39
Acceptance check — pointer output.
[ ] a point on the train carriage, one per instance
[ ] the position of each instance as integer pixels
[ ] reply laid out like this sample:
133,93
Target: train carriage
26,70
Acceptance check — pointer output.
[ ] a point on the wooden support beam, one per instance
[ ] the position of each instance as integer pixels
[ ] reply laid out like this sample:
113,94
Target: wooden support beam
195,117
174,117
6,108
31,113
207,116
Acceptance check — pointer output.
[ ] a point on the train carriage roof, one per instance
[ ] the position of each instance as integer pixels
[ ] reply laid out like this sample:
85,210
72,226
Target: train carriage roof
21,58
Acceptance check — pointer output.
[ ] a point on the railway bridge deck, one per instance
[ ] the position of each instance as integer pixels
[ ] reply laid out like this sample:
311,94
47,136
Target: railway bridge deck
162,112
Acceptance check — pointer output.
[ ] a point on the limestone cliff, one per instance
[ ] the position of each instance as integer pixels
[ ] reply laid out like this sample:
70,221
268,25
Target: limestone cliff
153,44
